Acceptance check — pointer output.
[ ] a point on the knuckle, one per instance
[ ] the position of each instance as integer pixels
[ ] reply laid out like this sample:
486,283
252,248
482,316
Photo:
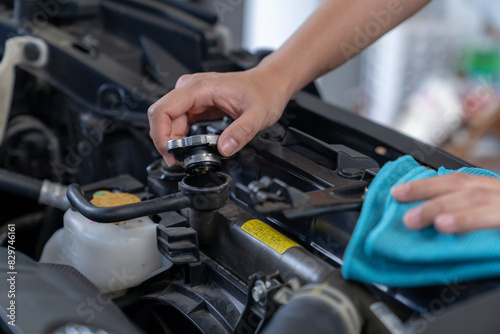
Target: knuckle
247,129
196,76
151,111
183,79
462,180
200,85
480,195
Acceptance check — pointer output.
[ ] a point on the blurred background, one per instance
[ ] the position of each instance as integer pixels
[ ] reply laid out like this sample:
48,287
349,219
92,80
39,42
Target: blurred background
436,77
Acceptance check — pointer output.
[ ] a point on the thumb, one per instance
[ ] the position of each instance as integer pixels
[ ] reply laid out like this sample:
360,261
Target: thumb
238,134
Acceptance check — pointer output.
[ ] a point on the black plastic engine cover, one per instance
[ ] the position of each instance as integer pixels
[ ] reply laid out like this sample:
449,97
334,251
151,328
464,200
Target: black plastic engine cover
48,298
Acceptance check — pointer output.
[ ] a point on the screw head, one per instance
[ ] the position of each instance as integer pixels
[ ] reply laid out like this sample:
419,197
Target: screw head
259,291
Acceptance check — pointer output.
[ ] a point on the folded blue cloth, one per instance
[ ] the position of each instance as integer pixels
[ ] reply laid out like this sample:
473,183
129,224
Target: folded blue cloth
383,250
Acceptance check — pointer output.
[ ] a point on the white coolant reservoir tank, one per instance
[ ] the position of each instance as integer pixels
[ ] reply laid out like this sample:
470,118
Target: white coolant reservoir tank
113,256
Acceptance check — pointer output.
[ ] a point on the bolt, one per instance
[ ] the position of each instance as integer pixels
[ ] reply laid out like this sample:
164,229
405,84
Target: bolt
259,291
351,171
31,51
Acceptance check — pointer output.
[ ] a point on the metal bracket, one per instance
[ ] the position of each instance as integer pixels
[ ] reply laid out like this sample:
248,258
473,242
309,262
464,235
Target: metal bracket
273,195
21,50
261,303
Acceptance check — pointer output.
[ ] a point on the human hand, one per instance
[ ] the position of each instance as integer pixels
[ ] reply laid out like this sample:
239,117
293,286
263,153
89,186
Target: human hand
455,202
251,98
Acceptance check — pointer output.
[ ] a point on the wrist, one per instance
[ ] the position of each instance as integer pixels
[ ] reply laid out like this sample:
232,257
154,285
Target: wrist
273,73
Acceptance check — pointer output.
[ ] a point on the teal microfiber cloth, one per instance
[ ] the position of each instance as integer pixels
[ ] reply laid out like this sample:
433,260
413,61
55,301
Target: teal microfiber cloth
383,250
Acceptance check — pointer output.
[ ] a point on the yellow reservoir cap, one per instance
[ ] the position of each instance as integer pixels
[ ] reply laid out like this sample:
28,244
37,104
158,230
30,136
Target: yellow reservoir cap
104,198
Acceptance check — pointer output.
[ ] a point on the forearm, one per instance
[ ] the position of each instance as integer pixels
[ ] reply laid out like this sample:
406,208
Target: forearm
335,32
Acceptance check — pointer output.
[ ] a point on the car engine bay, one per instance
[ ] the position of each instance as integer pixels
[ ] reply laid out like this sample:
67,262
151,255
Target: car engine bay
248,244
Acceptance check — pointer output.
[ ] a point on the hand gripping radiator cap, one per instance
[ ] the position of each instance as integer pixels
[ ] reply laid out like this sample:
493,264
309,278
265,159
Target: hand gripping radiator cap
112,256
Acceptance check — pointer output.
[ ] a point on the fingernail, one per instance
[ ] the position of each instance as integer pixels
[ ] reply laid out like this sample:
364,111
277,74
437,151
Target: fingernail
228,146
169,160
413,218
445,223
400,190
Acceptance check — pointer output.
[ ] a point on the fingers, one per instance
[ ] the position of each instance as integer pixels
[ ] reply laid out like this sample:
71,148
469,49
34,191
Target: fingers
238,134
423,215
241,95
481,217
433,211
455,202
166,122
170,116
186,78
436,186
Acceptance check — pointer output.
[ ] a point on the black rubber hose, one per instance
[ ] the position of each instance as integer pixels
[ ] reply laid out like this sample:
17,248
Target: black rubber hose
118,213
19,184
305,315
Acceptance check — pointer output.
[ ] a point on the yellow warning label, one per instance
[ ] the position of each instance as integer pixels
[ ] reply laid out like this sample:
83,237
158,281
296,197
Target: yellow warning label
268,235
104,198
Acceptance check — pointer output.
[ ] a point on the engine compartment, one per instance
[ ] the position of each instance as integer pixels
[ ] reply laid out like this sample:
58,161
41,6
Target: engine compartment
255,247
